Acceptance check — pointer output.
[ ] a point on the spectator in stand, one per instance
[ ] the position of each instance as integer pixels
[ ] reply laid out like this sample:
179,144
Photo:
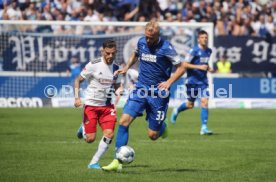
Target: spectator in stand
210,13
74,68
94,16
108,16
150,9
202,9
59,29
164,5
14,12
271,25
179,17
220,28
248,30
196,11
260,27
187,7
223,65
237,29
169,31
126,12
30,12
46,11
141,18
130,15
65,9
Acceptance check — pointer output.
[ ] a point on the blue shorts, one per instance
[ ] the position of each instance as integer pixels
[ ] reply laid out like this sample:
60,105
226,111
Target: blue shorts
156,108
197,91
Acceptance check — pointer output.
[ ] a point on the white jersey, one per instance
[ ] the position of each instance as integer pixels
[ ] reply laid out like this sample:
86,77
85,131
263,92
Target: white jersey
100,82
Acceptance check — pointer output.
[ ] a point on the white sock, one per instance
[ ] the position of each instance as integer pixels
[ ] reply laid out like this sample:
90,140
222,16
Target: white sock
83,132
102,148
204,126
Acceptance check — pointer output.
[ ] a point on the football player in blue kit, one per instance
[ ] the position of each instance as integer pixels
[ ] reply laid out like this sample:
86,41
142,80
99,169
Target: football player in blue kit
157,58
197,81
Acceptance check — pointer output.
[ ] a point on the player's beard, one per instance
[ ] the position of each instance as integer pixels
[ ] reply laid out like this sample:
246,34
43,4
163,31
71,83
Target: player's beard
109,61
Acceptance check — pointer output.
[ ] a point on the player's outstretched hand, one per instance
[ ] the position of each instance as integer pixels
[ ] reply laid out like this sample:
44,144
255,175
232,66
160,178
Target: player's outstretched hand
120,71
164,85
77,102
211,70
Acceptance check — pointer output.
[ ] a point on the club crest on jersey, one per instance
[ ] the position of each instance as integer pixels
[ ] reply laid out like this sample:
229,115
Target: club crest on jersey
148,57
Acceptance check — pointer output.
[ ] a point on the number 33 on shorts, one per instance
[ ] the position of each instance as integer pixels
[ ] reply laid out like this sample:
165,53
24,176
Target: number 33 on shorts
160,115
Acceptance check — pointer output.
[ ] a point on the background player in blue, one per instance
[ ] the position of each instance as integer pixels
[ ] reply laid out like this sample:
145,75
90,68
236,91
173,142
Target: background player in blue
197,81
157,57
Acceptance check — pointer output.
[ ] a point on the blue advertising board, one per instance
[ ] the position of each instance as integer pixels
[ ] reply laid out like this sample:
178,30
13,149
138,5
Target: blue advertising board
247,87
43,87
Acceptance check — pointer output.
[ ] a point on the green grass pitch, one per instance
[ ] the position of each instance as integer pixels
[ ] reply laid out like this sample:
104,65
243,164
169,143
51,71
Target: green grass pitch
41,145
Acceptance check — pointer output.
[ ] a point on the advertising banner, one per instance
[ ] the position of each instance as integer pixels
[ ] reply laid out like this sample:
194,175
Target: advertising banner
247,54
39,52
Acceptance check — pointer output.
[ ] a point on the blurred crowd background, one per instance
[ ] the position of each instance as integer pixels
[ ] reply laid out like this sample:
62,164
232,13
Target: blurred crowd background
230,17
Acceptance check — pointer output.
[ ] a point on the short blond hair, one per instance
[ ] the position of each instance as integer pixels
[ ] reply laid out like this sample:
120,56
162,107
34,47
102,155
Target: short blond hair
154,25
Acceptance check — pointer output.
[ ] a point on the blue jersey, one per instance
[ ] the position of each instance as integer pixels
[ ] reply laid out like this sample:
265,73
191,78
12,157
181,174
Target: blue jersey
197,56
156,62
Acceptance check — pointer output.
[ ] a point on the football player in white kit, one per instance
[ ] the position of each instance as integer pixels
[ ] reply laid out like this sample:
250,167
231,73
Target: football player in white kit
97,105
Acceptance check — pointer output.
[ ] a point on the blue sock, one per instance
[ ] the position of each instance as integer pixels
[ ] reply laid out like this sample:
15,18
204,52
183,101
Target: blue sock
204,117
182,107
122,136
163,127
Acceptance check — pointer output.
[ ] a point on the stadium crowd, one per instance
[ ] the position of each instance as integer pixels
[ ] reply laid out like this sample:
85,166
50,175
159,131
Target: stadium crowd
230,17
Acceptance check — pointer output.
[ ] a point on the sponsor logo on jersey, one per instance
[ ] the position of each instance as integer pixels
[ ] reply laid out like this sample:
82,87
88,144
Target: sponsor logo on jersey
204,60
105,81
148,57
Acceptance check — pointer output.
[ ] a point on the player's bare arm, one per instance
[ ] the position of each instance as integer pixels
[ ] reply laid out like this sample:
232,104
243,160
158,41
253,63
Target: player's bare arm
117,86
180,70
203,67
77,83
118,89
133,58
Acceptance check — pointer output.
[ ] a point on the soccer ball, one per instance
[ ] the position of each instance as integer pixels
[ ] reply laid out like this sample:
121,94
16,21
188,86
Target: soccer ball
125,154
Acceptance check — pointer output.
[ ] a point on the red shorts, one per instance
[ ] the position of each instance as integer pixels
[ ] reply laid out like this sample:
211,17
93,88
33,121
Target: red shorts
105,115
